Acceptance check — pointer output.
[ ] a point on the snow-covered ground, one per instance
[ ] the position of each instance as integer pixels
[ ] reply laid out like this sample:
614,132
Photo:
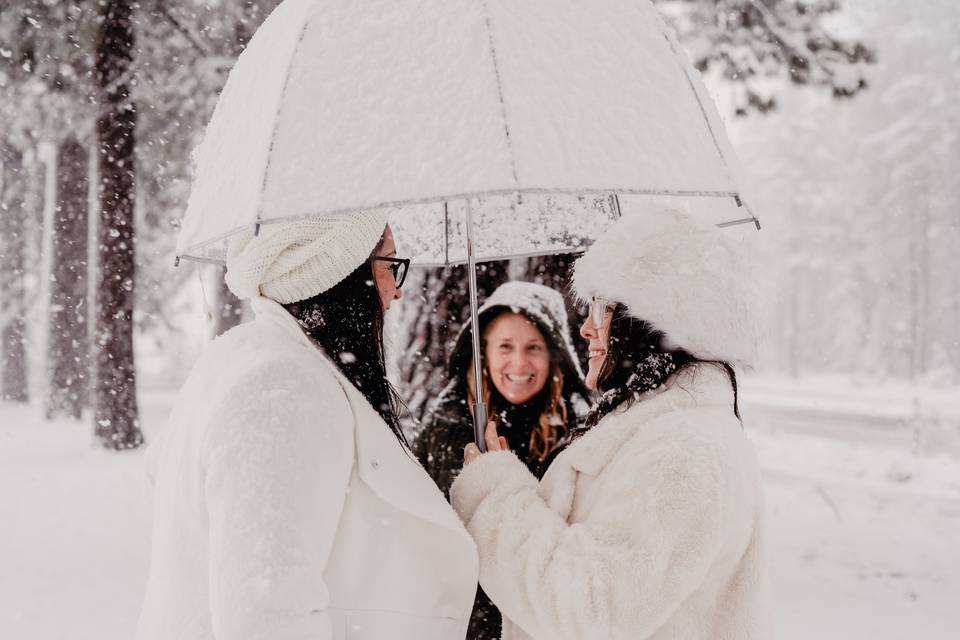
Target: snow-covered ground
864,530
863,533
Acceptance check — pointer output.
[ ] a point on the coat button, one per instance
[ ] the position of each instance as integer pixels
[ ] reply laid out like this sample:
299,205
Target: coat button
375,464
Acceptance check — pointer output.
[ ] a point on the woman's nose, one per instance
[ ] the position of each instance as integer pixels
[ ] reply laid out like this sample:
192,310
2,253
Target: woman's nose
587,330
518,359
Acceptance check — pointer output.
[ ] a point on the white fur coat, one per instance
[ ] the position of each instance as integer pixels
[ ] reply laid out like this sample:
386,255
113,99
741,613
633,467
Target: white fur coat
648,526
285,508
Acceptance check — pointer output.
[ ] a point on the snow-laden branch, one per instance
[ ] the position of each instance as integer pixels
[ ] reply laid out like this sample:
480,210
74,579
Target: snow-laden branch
194,41
798,49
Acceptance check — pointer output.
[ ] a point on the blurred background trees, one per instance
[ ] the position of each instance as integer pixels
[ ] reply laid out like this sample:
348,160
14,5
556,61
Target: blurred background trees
101,103
852,150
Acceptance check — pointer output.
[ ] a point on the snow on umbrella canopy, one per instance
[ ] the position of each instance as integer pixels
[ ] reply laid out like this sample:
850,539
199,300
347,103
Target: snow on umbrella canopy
546,117
487,128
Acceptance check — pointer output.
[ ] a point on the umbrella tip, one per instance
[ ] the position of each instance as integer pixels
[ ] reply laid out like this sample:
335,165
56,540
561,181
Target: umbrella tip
739,202
256,229
176,261
756,221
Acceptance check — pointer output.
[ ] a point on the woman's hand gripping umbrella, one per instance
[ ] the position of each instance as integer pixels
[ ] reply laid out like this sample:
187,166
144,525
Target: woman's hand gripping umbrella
491,439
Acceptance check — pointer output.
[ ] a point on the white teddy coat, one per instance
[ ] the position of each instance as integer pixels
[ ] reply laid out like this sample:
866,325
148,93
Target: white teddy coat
648,526
285,507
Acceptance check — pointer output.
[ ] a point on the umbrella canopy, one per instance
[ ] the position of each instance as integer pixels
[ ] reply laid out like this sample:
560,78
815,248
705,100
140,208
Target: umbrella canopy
488,128
542,118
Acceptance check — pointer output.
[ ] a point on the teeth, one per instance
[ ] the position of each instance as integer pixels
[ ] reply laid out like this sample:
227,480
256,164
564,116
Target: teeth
513,378
594,354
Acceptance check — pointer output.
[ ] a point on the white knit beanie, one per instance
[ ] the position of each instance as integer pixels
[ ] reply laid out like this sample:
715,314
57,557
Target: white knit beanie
291,261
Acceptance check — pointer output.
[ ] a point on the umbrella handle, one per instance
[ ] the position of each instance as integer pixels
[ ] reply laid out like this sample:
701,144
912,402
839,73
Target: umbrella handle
480,425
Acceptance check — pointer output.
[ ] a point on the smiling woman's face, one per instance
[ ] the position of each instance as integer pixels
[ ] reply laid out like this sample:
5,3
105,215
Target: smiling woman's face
382,275
517,357
598,339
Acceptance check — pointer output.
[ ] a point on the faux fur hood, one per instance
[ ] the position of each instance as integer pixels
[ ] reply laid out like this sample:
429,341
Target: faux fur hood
690,280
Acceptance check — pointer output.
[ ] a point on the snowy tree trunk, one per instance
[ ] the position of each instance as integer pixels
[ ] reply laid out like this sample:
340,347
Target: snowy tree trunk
67,341
924,284
793,325
441,304
117,422
953,347
13,357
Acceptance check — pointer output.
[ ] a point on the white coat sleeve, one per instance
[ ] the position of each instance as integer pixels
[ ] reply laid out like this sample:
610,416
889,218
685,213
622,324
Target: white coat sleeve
277,465
647,543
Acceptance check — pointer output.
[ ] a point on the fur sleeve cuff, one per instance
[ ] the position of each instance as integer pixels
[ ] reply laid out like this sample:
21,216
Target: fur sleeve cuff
497,472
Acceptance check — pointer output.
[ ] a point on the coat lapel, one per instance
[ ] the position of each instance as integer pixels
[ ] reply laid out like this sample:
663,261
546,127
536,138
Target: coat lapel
392,471
386,466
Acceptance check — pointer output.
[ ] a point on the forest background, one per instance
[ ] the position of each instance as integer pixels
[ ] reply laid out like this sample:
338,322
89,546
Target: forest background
844,116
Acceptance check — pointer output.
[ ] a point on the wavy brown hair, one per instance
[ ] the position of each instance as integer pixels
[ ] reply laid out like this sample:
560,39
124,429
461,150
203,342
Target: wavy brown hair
552,422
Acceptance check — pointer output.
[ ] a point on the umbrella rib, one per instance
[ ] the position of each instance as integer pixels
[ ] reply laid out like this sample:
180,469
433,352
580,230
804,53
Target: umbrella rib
276,121
503,105
706,119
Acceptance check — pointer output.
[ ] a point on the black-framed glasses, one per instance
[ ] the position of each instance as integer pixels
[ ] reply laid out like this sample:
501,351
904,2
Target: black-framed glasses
399,267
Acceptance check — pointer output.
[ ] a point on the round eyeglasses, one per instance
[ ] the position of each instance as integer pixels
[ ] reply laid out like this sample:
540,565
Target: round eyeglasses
399,267
596,309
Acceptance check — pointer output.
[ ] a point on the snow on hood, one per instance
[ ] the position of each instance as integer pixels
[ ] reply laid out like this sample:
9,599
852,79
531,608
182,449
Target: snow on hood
690,280
541,304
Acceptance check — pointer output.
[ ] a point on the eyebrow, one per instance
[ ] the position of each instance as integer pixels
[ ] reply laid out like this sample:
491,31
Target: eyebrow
526,343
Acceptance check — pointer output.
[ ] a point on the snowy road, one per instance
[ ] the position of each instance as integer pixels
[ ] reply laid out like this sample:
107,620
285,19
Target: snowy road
863,538
863,533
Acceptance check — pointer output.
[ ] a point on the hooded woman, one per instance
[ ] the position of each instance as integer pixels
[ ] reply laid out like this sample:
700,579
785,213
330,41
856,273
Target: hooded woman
287,504
648,520
532,385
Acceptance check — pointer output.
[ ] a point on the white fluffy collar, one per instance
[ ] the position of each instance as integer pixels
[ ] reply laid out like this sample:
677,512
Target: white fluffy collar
698,386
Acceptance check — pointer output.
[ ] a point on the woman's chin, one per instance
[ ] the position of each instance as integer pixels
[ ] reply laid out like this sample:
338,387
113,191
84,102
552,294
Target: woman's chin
516,396
591,380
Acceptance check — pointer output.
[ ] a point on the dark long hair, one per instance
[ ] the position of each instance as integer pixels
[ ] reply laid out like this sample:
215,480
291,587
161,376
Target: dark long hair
347,322
633,341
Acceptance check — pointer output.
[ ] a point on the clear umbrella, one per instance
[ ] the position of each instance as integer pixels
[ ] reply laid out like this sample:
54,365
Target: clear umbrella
488,128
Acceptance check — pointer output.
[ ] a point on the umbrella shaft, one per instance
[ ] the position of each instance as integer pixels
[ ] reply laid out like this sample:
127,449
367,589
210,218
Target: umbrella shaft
479,410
